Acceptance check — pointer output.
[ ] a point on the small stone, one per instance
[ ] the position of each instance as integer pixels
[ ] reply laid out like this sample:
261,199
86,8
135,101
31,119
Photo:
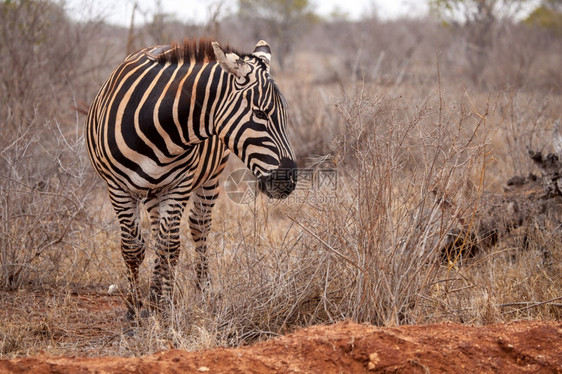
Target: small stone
373,361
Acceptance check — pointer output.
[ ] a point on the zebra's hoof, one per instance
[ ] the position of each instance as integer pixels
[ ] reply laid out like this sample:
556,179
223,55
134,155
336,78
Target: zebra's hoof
130,315
133,314
145,313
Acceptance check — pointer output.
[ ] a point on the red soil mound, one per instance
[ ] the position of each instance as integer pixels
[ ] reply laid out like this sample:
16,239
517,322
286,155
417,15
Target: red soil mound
525,346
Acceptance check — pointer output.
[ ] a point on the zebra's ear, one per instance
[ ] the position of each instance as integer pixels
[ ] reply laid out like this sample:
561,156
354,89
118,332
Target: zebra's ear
231,62
263,52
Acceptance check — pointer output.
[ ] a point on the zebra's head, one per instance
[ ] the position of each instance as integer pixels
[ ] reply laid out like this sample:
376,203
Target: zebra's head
252,120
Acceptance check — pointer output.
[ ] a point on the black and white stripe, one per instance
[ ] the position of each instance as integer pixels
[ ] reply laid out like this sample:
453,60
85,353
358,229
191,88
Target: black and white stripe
159,132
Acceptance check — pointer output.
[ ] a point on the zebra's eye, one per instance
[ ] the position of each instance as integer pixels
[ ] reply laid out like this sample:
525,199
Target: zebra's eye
260,114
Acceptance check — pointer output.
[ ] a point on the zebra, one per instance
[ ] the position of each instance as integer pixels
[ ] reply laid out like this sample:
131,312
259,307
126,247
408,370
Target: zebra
159,133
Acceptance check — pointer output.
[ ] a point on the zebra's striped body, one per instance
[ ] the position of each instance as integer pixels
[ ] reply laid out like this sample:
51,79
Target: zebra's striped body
159,132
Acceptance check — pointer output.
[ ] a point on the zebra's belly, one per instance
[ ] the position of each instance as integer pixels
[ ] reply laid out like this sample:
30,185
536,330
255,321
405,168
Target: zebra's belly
144,176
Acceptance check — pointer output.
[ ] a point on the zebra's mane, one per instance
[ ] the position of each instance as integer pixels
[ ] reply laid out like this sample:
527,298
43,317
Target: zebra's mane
191,50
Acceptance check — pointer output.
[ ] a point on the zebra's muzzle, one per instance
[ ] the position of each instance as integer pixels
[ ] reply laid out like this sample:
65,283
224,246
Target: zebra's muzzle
281,182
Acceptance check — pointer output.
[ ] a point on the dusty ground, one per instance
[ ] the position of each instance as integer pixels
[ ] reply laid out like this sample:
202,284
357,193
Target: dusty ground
525,346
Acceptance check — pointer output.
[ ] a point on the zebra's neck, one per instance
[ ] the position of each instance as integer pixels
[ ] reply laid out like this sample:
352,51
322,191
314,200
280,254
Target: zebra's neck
195,90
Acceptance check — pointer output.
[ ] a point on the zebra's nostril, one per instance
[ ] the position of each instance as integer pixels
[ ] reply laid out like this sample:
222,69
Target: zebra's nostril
282,181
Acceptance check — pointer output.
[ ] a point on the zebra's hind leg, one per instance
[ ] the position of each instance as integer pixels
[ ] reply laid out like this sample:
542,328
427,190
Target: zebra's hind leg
200,218
132,244
167,248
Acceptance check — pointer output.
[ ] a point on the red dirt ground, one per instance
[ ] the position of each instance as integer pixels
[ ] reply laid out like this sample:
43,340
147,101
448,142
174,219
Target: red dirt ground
518,347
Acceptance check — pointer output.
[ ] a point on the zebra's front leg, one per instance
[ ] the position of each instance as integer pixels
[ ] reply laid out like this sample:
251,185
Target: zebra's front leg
132,245
167,249
200,220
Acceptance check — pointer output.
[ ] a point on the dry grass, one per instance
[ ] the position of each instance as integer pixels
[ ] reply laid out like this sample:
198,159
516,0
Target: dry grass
412,160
